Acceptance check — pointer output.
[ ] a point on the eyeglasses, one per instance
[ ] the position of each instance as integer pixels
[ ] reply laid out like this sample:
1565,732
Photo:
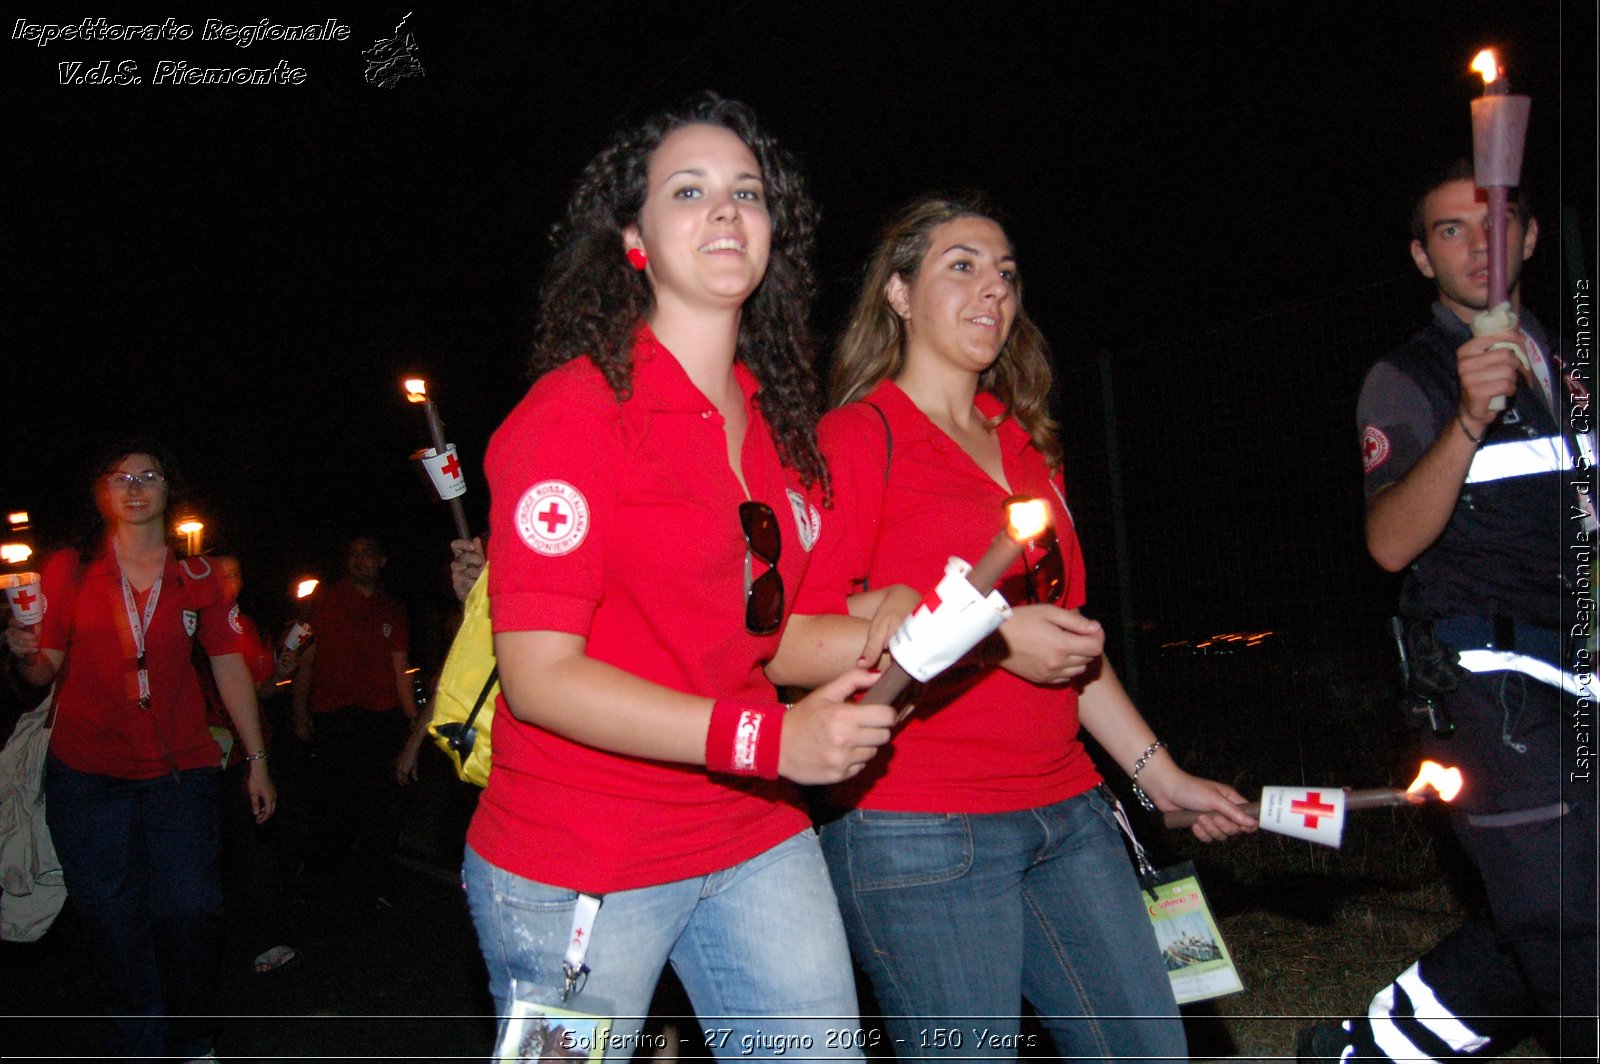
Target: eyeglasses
763,596
149,478
1046,572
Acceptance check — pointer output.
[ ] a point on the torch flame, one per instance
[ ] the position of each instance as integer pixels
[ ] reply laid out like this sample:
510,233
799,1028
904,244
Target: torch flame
416,390
304,588
15,553
1026,518
1484,63
1445,781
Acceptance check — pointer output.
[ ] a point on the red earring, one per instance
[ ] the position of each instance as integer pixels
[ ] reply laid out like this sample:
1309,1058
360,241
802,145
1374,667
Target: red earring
637,258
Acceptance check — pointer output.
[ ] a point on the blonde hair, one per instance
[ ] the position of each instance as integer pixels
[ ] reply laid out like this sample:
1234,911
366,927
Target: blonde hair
873,347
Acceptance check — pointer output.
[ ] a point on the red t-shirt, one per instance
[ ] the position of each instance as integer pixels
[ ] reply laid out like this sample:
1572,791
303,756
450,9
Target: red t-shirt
980,741
258,658
357,638
99,725
619,522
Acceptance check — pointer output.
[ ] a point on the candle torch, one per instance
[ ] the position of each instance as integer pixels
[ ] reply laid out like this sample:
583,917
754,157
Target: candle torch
1499,128
1316,814
962,609
443,468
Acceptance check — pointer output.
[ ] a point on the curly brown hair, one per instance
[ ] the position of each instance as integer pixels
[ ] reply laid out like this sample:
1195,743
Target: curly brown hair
591,301
873,347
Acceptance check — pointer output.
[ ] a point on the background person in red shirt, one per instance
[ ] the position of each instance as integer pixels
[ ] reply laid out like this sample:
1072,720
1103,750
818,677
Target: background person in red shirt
353,702
980,864
250,872
131,780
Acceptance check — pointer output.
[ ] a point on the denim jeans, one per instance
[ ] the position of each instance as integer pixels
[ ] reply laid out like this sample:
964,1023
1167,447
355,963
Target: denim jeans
759,948
956,918
140,859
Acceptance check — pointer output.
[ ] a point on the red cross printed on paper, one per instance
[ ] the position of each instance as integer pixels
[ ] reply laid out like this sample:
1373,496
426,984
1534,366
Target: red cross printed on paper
24,599
452,466
552,518
1313,807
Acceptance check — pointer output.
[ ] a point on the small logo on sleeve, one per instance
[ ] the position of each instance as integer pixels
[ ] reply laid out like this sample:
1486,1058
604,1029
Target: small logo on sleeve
553,517
233,620
1374,448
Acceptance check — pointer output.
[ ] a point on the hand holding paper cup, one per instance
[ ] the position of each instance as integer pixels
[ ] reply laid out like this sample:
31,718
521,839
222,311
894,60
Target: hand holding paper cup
22,594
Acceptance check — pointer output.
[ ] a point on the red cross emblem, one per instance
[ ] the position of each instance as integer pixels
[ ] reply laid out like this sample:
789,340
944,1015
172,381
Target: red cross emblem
1313,807
452,466
552,518
24,599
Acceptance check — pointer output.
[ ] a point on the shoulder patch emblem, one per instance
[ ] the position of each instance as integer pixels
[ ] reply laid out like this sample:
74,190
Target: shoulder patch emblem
233,620
1374,448
807,521
552,517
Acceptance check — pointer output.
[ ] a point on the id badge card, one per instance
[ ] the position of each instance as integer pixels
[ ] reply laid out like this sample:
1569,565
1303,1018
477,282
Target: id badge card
535,1030
1196,957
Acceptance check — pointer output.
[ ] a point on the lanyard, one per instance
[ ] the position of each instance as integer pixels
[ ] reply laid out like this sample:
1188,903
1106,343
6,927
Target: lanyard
583,913
138,626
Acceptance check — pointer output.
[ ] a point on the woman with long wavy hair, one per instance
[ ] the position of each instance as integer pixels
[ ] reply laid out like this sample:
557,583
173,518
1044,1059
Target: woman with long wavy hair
655,499
980,865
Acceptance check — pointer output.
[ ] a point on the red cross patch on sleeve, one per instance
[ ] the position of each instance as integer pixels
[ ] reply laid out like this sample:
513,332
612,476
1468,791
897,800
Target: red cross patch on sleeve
553,517
1374,448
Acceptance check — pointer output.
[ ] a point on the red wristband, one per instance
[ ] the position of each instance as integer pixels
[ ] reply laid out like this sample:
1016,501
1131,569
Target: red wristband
744,738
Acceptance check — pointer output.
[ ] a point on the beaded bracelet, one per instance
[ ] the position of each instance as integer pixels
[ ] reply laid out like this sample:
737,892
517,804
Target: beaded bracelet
1138,767
262,756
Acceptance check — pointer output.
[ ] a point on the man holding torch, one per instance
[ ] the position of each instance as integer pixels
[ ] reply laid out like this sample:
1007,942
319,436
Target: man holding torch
1469,497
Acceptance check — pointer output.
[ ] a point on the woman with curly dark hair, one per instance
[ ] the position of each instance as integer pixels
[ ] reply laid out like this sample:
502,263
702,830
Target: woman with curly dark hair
980,865
132,776
654,494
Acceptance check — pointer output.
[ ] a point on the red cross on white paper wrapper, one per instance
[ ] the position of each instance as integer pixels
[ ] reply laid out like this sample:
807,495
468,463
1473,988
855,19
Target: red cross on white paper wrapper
445,472
1315,814
951,620
22,592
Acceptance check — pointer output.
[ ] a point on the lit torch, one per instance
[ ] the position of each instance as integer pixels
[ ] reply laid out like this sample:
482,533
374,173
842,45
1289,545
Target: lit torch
1499,127
443,469
928,641
1316,814
301,628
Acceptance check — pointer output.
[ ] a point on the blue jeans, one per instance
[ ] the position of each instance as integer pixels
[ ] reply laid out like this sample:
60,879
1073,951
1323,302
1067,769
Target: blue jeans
956,918
759,948
140,860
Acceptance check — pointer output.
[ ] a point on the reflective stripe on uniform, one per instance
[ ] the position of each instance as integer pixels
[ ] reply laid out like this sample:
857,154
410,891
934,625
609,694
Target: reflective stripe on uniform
1510,661
1429,1012
1520,458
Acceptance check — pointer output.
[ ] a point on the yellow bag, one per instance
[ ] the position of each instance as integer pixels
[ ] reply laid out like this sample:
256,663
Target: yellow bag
463,701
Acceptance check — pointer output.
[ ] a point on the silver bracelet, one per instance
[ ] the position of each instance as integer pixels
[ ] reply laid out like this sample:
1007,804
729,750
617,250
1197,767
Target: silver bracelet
1138,767
262,756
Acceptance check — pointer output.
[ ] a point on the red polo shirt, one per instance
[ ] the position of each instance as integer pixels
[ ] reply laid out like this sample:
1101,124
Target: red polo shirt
357,638
259,659
619,522
100,726
979,741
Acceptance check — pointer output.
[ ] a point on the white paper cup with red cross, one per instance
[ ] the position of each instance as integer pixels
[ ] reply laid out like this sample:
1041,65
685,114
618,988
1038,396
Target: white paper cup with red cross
22,594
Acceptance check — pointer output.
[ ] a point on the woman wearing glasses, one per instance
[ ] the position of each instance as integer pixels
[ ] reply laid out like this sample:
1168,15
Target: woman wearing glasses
980,864
655,495
131,781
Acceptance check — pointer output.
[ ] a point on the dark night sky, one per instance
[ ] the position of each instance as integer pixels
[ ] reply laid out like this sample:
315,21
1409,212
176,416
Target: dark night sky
248,271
